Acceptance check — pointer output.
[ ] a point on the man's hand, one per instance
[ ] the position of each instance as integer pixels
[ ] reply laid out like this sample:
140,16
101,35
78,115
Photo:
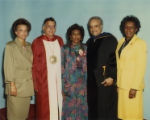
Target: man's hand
13,89
132,93
107,82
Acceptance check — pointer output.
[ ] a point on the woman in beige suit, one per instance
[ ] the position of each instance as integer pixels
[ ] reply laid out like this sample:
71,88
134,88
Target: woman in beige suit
17,70
131,56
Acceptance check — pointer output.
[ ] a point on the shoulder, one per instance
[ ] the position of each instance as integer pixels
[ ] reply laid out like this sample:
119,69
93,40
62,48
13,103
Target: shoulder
110,37
121,40
84,45
88,41
28,43
37,41
65,47
10,44
58,37
39,38
60,40
109,40
140,43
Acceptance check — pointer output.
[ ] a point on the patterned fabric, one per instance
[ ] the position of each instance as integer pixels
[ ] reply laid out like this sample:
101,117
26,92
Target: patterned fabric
74,80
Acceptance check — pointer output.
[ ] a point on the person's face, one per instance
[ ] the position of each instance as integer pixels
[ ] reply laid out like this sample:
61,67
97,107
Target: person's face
75,37
49,29
95,27
21,32
129,29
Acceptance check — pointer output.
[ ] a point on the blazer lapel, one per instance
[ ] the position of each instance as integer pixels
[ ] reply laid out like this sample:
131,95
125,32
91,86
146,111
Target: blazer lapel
119,46
23,52
127,47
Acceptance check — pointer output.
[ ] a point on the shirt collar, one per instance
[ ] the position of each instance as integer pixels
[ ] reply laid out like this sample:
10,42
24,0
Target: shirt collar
49,39
101,34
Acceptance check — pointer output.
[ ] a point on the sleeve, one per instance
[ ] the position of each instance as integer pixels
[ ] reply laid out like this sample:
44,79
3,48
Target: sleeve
141,57
60,40
108,58
8,65
85,72
111,70
87,42
62,69
66,85
34,65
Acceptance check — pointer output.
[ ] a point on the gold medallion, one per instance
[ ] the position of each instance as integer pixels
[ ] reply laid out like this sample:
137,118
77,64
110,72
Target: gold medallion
53,59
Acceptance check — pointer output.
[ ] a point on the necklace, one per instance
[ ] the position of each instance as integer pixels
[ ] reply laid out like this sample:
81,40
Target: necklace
53,58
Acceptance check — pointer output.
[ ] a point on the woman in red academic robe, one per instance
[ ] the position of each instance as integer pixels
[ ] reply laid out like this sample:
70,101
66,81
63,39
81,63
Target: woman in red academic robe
47,72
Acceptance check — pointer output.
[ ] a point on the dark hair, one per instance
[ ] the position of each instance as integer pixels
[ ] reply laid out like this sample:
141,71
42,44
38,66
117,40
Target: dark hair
49,19
74,27
133,19
20,21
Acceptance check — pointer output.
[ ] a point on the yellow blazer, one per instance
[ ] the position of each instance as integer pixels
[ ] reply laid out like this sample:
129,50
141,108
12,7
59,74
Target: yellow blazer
131,64
18,68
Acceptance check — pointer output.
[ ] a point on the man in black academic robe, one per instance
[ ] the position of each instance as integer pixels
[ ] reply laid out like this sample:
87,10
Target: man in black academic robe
101,64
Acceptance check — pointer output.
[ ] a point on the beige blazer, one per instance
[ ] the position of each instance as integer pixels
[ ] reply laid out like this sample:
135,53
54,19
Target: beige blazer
131,64
18,68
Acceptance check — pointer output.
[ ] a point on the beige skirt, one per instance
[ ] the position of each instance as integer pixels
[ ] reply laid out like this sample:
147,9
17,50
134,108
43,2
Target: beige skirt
18,107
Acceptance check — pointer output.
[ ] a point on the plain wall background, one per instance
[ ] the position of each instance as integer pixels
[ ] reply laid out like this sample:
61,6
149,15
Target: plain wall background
68,12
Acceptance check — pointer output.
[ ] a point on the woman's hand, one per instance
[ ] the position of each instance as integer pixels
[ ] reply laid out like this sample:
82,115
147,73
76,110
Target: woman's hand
107,82
132,93
13,89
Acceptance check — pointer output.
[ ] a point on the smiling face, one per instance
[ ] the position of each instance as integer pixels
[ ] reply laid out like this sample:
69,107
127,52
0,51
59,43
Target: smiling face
95,27
49,29
75,37
129,30
21,32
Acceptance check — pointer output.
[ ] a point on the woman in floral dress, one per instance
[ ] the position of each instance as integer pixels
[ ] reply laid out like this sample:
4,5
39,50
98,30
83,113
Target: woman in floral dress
74,76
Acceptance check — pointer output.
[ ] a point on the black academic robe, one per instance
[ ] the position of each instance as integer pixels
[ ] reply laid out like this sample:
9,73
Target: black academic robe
102,101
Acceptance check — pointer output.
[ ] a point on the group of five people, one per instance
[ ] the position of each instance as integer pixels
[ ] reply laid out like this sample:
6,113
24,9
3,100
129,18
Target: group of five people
99,80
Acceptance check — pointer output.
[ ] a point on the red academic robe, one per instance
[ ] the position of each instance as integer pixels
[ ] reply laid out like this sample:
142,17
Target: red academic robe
39,73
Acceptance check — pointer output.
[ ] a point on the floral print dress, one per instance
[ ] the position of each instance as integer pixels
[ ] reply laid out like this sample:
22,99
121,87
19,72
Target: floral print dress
74,82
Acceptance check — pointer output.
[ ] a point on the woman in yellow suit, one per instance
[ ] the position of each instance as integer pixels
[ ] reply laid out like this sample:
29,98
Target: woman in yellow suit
131,55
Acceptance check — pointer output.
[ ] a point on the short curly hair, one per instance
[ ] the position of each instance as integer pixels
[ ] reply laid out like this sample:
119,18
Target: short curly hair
74,27
133,19
20,21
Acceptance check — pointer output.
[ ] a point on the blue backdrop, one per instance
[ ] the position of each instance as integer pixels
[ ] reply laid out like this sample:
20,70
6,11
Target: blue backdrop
68,12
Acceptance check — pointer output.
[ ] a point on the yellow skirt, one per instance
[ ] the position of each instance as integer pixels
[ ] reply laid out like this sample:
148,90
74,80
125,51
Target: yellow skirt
130,109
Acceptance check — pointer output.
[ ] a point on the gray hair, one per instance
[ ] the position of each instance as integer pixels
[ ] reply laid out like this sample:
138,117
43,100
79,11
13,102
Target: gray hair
97,18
